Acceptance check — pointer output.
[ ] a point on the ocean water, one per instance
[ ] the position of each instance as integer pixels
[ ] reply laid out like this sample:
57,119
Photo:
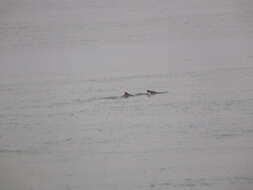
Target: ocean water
60,59
58,131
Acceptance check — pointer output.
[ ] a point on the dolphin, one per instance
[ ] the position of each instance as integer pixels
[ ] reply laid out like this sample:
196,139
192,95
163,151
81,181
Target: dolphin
152,92
126,95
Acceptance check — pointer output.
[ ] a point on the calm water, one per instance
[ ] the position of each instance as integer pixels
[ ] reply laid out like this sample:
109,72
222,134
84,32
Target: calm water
198,136
59,59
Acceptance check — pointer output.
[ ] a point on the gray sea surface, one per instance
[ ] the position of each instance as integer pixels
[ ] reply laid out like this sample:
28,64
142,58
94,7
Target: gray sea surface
64,66
62,134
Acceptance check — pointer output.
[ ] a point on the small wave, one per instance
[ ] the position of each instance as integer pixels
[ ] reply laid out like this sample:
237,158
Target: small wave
112,97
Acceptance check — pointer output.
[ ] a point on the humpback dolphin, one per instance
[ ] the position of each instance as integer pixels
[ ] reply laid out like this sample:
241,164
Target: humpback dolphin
126,95
152,92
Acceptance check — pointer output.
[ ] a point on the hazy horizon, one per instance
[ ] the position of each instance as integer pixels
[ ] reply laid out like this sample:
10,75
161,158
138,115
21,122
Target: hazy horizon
124,37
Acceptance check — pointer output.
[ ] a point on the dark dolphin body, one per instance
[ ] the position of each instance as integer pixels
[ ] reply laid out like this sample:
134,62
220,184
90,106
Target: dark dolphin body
152,92
127,95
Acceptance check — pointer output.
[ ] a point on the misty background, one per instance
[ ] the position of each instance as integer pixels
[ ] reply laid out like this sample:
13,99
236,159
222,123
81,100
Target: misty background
105,38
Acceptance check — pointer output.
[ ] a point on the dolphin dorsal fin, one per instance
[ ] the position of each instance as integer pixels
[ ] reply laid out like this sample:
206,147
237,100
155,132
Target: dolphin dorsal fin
151,91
